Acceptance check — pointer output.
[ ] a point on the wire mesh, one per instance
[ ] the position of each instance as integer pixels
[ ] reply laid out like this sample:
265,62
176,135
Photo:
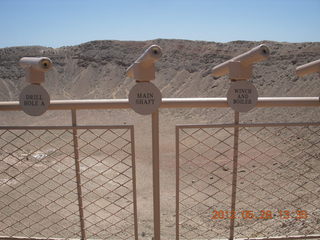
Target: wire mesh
278,181
205,181
106,166
38,183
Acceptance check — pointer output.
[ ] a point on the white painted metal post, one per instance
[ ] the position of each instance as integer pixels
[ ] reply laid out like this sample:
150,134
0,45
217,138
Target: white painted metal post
177,184
134,189
78,173
156,174
234,173
145,98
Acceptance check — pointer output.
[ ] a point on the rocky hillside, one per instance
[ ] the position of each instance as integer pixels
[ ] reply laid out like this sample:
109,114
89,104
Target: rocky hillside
97,69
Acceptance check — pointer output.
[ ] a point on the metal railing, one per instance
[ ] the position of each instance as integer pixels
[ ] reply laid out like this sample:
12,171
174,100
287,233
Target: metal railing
169,103
87,184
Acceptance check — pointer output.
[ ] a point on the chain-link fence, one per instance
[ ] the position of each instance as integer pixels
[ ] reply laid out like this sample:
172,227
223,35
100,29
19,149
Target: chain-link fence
47,173
275,182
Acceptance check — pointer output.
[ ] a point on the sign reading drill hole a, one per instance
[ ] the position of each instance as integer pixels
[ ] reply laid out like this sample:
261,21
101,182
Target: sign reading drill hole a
145,98
34,100
242,96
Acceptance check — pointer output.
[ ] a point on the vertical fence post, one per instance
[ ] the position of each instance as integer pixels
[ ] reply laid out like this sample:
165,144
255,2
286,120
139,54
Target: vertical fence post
234,174
156,175
77,168
177,184
134,190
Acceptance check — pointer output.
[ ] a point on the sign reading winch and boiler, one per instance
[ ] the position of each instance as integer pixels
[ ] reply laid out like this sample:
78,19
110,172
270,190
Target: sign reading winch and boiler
34,99
242,95
145,97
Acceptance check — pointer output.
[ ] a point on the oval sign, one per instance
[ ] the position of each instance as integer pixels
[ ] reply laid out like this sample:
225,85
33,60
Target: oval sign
34,100
242,96
145,98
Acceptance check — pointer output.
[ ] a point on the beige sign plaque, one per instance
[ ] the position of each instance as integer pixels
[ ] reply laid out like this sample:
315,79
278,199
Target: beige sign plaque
242,96
145,98
34,100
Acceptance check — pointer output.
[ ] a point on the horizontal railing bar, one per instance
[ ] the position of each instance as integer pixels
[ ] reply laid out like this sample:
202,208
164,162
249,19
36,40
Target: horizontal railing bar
242,125
169,103
314,236
65,127
222,102
39,238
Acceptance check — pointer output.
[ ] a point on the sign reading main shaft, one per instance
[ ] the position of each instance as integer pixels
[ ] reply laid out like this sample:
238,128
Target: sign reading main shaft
145,98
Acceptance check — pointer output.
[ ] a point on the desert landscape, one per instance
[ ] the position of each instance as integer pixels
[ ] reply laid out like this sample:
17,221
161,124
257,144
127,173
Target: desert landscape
285,156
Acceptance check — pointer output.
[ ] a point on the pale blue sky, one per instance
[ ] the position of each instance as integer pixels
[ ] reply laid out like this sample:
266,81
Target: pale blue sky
56,23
